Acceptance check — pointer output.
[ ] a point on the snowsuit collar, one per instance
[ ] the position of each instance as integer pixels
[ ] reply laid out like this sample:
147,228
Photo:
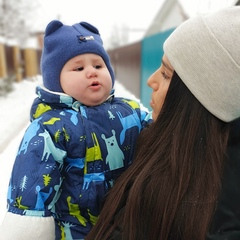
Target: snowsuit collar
56,100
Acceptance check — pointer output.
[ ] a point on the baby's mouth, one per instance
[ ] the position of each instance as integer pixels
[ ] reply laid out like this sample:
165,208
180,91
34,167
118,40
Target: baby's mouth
95,86
96,83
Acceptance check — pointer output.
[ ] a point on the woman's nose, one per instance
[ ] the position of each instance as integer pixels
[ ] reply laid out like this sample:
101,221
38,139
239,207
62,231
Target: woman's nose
152,82
149,81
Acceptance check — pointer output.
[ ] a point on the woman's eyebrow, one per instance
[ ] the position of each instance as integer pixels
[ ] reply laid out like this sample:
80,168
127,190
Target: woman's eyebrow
166,65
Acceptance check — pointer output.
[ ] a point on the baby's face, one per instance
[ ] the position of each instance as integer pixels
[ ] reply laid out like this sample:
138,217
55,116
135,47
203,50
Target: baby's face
87,79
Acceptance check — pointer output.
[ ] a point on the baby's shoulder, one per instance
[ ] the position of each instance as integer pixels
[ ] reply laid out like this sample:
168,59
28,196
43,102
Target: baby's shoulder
132,103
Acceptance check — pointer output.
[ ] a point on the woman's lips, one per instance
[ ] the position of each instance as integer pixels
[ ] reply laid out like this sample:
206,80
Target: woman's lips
151,103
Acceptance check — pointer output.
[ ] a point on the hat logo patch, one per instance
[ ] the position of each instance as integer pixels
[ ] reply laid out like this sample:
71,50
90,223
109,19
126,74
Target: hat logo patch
85,38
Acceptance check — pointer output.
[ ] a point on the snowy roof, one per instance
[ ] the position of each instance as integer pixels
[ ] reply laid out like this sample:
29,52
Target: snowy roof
173,12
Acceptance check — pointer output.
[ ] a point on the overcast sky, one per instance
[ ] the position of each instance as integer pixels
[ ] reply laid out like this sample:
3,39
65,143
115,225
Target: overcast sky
137,15
194,7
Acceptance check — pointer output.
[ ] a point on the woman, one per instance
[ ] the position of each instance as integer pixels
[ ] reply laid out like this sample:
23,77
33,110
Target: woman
185,182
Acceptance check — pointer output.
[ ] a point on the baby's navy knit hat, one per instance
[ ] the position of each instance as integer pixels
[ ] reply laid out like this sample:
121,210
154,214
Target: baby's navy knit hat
61,43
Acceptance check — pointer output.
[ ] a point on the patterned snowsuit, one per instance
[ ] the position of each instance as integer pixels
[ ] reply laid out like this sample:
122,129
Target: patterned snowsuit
70,156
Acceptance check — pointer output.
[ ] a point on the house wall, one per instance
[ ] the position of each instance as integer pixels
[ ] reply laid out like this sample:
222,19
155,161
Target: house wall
170,15
126,63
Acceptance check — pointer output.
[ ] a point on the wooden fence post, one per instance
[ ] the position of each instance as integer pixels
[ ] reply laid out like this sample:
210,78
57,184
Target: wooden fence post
17,63
3,65
31,62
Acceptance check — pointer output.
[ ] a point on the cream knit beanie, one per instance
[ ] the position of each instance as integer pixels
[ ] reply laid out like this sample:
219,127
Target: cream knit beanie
205,53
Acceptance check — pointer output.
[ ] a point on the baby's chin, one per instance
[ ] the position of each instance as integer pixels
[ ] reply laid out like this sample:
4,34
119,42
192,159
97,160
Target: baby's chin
92,103
90,98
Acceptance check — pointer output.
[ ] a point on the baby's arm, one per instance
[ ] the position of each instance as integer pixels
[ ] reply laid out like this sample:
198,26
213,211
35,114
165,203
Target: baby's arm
33,187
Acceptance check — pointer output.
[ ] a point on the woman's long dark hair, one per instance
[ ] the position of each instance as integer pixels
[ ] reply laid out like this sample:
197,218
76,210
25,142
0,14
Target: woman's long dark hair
171,189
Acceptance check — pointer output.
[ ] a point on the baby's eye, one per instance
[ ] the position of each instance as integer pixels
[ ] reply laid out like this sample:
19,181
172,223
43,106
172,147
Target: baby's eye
78,69
98,66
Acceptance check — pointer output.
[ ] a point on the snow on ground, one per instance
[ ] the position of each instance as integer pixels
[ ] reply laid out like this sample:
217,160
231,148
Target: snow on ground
14,118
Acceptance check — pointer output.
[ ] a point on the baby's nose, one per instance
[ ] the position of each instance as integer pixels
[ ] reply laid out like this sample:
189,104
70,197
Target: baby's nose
91,72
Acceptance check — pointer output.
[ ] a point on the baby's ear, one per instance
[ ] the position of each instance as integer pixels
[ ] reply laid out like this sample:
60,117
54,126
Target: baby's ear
52,27
89,27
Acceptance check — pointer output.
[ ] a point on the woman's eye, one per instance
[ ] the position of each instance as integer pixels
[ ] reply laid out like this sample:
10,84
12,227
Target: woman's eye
165,76
78,69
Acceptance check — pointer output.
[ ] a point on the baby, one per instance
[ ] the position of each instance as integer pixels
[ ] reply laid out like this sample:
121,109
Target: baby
81,138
